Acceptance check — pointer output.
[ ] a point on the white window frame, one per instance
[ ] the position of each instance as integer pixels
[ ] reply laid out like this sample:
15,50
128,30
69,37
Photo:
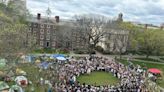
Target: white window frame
41,43
41,31
42,25
48,31
48,26
42,37
48,37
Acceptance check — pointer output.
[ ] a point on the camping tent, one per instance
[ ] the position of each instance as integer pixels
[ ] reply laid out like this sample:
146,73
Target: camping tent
59,57
21,80
3,86
15,87
37,61
44,65
29,58
2,63
20,71
2,73
154,70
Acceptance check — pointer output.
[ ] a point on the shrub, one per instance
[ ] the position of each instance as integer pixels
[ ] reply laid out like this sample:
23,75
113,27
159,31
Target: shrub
162,58
64,51
99,48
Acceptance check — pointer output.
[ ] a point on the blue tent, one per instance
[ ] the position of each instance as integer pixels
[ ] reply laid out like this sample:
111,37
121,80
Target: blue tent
59,57
44,65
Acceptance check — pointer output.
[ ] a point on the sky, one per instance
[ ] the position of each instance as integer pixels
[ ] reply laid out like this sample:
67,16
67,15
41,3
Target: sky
143,11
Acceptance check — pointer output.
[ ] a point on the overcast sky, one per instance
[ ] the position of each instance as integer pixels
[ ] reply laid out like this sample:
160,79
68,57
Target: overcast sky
144,11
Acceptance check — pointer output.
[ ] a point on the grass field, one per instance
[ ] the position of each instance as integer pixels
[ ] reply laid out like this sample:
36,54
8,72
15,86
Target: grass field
97,78
33,75
148,65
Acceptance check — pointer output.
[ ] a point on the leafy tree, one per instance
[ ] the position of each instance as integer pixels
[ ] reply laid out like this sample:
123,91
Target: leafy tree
134,30
14,36
151,41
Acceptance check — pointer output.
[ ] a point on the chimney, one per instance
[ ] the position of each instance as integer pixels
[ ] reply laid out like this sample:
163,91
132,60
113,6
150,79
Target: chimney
57,19
38,16
162,27
146,25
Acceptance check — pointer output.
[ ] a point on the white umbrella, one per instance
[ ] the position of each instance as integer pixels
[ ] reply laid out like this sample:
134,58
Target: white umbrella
61,58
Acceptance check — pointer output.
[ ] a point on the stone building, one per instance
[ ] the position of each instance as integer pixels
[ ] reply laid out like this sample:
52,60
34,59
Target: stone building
114,41
55,33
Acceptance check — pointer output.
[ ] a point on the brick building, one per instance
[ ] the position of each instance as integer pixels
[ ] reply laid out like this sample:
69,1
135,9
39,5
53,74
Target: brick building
44,31
55,33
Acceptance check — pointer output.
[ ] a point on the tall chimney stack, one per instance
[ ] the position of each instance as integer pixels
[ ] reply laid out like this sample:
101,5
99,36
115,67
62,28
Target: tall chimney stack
146,25
38,16
57,19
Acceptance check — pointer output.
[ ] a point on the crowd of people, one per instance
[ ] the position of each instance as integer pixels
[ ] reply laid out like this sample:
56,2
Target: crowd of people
131,78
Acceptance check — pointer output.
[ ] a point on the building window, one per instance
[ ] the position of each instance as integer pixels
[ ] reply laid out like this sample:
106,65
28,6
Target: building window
42,37
48,37
35,25
47,44
48,31
41,43
29,30
42,25
41,31
48,26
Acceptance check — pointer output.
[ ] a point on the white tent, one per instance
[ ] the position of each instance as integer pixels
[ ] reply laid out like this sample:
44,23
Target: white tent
21,80
61,58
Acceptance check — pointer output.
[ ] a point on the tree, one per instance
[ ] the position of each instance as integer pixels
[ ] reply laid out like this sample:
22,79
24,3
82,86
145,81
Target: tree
151,41
132,43
121,40
92,28
14,37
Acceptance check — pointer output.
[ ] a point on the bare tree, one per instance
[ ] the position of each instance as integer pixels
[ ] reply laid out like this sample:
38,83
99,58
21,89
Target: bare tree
93,28
121,41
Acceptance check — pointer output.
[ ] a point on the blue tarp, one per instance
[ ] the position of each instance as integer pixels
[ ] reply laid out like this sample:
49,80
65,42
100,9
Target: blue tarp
58,55
44,65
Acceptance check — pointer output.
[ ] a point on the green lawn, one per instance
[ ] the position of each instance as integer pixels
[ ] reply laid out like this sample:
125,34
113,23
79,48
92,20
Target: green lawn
148,65
98,78
32,75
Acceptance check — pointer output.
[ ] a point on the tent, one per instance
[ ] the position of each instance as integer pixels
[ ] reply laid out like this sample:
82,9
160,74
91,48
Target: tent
15,87
37,61
59,57
3,86
21,80
29,58
2,63
20,71
44,65
2,73
154,70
